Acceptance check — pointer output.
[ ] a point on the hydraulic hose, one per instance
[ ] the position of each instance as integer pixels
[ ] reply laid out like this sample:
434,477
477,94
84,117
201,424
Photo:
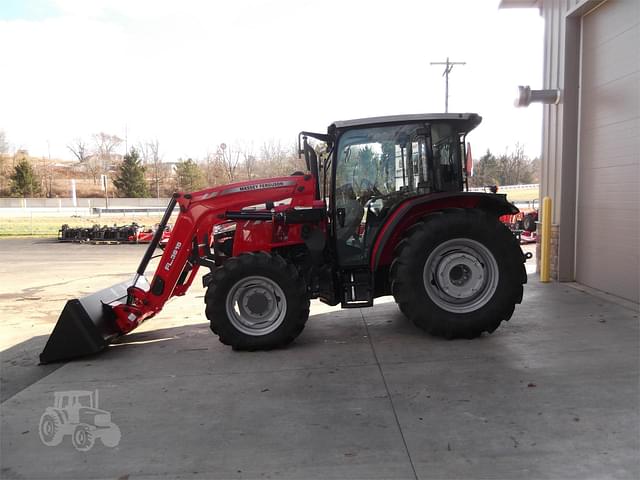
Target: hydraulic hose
157,236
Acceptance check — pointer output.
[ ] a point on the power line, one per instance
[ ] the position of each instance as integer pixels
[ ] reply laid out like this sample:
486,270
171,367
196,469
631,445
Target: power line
447,70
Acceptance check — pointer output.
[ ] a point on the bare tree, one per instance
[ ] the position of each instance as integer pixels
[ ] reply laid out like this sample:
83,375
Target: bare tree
228,159
279,160
249,162
4,149
4,145
514,168
213,170
144,153
88,160
105,148
80,149
93,166
45,171
150,155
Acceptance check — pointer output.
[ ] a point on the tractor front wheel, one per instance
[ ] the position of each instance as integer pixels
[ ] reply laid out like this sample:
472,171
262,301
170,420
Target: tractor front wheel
257,301
82,438
458,273
529,223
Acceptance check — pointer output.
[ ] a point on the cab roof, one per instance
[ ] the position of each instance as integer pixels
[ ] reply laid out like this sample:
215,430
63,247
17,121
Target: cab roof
469,120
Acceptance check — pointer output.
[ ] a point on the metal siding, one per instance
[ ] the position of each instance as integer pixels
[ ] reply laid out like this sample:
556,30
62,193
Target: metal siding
608,209
554,13
549,123
568,186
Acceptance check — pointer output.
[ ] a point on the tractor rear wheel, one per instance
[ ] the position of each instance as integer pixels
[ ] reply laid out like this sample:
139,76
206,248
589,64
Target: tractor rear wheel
50,429
458,273
257,301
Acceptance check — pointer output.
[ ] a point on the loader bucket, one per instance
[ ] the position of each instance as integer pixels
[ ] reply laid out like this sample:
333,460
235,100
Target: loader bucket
86,325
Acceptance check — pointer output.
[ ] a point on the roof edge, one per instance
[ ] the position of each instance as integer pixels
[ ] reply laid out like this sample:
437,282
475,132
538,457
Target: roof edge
414,117
520,4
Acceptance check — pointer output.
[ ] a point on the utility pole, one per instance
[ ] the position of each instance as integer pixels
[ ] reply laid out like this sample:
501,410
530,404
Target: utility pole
447,69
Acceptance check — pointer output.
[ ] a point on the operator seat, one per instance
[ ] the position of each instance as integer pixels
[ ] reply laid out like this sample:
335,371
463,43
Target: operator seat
354,212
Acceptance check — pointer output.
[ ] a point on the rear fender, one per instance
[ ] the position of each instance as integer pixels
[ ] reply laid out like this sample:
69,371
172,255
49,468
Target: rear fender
412,210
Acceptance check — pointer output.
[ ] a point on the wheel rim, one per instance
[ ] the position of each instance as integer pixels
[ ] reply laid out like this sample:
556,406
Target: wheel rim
461,275
256,305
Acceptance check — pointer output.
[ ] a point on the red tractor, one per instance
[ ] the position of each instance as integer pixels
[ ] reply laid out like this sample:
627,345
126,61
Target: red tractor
523,224
145,235
381,211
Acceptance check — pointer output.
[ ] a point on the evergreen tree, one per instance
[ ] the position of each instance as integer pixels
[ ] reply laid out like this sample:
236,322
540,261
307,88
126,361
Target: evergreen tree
24,182
130,180
484,171
189,176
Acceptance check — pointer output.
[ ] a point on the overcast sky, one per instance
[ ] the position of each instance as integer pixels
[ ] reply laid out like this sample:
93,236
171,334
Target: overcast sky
197,73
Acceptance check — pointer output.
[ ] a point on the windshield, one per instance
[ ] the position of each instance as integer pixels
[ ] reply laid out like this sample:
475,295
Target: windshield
84,400
399,159
376,158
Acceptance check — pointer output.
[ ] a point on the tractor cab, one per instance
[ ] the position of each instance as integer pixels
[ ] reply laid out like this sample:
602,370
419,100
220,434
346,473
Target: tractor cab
373,165
74,400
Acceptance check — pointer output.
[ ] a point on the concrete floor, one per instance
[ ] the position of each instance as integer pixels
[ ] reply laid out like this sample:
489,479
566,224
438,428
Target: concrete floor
554,393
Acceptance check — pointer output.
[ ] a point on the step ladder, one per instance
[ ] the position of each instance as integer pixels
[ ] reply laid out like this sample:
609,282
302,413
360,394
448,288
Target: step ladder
357,287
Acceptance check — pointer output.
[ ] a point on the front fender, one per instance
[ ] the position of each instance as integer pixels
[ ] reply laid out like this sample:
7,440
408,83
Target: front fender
413,209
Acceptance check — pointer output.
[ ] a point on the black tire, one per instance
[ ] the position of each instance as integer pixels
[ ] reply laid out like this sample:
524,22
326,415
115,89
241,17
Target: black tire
276,290
82,438
529,223
472,256
50,429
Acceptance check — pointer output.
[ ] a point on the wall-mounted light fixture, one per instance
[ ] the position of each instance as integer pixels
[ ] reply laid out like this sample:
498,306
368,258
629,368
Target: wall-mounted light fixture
526,96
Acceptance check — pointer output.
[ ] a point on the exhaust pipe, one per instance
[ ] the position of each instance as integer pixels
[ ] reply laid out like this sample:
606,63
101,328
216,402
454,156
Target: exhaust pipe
88,324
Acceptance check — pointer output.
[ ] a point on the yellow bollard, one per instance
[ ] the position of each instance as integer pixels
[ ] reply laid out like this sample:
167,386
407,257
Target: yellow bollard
545,243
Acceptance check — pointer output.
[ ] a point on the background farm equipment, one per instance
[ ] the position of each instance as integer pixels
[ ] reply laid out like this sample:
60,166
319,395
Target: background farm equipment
397,222
133,233
145,235
523,224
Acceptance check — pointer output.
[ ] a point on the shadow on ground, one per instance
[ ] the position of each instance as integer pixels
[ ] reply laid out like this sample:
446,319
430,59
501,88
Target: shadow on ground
21,367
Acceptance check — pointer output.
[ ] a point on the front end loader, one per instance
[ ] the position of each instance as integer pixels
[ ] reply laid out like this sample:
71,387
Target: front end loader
381,211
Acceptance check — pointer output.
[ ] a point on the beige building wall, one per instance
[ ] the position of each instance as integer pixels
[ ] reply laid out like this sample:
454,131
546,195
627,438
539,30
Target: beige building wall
591,140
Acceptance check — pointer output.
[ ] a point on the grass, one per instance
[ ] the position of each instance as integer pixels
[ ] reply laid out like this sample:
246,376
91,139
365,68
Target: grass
521,195
49,226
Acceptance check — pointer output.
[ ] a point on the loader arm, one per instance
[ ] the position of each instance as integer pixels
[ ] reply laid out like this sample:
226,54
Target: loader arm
188,245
